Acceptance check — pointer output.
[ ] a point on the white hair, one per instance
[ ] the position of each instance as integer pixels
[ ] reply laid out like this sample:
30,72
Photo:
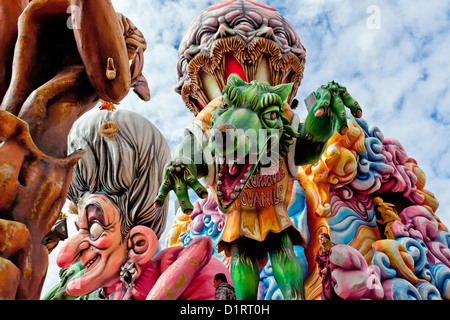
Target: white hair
126,166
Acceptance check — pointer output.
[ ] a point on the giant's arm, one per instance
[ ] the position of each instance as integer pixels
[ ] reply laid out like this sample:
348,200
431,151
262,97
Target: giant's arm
10,11
188,164
192,150
102,48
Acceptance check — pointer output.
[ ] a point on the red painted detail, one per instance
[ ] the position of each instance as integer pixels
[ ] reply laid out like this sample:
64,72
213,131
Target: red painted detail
265,6
287,79
197,103
233,66
220,5
109,106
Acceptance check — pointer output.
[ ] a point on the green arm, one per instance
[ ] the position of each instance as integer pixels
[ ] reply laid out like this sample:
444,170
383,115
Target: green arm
183,171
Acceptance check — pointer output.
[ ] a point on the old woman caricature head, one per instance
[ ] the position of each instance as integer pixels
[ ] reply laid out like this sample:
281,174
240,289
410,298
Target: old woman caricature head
113,188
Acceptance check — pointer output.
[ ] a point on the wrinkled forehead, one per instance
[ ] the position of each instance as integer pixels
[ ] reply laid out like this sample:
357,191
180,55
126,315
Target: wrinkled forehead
232,8
97,207
247,15
235,4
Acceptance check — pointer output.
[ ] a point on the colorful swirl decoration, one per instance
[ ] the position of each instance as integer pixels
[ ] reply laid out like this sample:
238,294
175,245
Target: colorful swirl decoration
373,198
205,220
401,253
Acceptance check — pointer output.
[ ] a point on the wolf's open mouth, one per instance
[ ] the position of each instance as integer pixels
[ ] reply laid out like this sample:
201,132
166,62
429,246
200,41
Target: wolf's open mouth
231,179
232,174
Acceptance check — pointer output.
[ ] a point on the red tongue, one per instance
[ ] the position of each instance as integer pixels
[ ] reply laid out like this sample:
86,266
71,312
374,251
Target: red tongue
232,170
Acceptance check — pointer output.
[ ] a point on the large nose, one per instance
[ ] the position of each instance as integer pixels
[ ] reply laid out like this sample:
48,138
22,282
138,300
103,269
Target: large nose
72,247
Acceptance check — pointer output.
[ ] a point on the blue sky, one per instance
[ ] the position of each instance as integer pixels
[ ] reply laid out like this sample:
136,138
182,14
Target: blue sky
392,57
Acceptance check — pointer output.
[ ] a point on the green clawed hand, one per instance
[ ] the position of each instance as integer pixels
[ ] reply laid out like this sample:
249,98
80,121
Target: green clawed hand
179,174
332,100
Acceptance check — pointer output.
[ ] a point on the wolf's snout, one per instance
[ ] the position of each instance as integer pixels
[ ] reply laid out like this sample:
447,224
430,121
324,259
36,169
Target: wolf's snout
224,137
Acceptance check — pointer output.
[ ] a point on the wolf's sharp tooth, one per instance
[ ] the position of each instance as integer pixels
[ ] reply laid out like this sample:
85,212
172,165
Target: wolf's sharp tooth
237,189
233,196
219,193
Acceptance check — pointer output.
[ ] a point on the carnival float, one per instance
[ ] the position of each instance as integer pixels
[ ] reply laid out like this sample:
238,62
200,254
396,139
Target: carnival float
324,207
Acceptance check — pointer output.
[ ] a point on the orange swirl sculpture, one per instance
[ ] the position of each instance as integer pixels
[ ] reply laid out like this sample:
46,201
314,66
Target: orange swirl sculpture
336,167
340,191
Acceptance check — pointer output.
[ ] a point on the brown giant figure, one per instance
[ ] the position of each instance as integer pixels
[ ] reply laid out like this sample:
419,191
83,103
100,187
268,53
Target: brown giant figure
58,58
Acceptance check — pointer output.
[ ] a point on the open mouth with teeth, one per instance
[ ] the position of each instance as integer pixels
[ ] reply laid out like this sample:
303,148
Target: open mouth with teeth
231,180
233,175
202,81
93,262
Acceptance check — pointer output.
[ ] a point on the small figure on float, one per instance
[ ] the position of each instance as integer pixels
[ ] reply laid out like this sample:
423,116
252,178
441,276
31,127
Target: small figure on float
118,227
322,258
386,215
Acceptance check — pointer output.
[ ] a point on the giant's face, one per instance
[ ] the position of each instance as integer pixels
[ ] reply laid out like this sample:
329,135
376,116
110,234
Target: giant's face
98,244
243,37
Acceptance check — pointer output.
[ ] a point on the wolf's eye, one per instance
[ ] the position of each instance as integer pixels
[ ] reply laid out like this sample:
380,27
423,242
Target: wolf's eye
270,115
223,108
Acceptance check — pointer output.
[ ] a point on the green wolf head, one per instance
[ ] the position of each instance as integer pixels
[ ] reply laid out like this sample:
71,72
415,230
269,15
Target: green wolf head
248,132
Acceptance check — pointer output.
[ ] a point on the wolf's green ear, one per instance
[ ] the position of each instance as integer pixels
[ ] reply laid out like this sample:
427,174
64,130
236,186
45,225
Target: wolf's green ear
283,90
235,80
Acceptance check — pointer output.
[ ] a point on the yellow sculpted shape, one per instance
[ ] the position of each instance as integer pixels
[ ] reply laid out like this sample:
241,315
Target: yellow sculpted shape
168,293
337,165
193,262
180,282
400,259
179,226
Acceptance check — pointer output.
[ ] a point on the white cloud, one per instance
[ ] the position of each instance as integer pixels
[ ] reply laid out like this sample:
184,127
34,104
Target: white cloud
380,68
398,73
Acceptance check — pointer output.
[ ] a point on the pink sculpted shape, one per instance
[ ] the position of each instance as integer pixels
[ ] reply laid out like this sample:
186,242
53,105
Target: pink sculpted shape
354,279
419,223
186,274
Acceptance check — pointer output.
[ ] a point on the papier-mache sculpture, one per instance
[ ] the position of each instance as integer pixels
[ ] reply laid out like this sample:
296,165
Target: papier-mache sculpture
338,192
241,143
273,182
118,226
50,75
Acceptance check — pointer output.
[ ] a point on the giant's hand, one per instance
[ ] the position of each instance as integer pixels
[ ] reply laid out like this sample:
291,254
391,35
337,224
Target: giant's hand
329,109
179,174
